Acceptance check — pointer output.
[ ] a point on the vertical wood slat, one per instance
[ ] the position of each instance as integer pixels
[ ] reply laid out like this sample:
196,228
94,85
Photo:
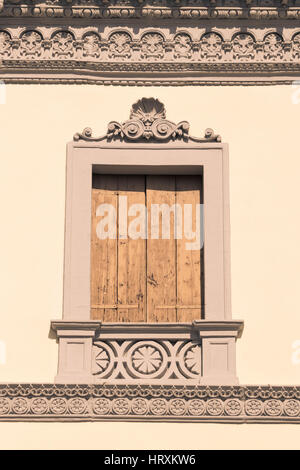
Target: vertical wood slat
132,257
104,273
188,261
161,262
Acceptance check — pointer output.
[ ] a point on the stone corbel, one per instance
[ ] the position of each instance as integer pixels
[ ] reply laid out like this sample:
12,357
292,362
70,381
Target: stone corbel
75,350
218,340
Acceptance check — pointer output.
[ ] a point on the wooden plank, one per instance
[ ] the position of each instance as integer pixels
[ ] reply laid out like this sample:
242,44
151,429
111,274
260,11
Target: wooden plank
161,262
103,252
131,256
154,280
188,261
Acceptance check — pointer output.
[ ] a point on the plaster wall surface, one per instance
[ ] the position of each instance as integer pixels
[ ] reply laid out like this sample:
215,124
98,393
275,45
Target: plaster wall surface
261,125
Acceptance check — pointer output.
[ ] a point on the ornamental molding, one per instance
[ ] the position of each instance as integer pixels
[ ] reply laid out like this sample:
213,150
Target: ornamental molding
147,122
239,404
158,10
149,56
148,360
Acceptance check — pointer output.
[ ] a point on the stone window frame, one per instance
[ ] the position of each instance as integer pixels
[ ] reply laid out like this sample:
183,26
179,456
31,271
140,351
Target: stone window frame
172,151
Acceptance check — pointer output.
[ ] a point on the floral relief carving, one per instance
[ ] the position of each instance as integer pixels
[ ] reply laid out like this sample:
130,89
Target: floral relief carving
5,43
39,405
273,407
139,406
58,405
211,46
146,359
253,407
152,46
20,405
233,407
273,47
91,45
177,406
291,407
200,403
182,46
62,44
120,46
77,405
158,406
243,47
215,407
121,406
196,407
31,44
102,406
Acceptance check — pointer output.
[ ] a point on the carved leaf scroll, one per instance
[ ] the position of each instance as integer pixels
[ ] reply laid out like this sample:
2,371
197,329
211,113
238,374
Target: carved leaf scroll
147,121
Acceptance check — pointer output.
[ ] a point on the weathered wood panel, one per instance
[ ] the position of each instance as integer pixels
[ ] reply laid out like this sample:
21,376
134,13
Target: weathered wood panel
188,261
104,268
131,255
161,261
154,280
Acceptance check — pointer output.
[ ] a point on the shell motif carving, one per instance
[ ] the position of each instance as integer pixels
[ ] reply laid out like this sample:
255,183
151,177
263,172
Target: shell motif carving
182,46
147,121
63,44
91,45
120,46
31,45
243,47
152,46
273,46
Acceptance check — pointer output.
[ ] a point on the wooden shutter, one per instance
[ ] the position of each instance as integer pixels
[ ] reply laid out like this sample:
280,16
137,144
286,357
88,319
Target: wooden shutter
145,280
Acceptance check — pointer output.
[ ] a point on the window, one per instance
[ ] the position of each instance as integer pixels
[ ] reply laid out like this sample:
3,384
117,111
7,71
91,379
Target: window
138,305
146,258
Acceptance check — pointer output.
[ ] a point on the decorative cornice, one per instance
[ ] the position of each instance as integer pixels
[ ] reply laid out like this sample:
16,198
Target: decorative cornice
147,121
148,56
238,404
194,11
32,80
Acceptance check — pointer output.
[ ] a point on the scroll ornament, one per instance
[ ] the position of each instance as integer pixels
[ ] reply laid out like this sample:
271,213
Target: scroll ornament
147,121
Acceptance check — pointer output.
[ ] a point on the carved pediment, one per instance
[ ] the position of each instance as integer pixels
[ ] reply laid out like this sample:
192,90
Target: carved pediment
147,122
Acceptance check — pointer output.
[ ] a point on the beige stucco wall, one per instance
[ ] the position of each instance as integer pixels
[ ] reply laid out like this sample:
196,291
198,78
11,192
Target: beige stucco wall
261,125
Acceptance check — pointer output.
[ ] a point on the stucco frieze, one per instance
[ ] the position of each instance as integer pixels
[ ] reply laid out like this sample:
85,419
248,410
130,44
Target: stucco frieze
109,53
240,404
